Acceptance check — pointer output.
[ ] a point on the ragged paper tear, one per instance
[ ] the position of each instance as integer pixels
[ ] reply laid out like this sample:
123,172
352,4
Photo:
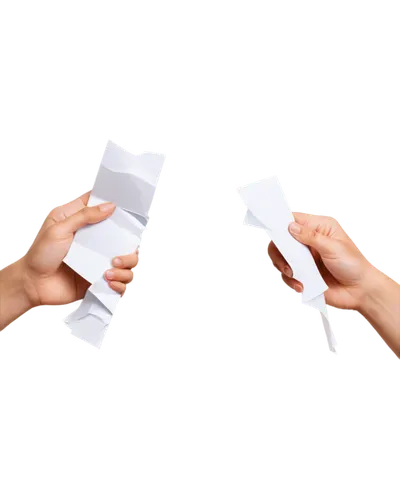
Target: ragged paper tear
129,181
269,210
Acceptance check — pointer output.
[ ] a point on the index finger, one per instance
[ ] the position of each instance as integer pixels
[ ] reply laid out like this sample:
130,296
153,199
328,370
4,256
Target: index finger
64,211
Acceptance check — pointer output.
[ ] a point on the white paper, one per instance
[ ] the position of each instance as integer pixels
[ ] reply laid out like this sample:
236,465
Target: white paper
129,181
269,210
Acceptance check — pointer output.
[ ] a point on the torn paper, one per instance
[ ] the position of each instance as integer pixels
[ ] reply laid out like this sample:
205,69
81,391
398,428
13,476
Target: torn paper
269,210
129,181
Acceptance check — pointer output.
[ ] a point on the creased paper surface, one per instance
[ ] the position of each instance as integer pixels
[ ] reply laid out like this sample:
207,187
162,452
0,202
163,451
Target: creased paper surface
129,181
269,210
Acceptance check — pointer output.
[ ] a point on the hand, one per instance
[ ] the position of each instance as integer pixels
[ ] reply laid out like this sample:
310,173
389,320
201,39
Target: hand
345,270
47,279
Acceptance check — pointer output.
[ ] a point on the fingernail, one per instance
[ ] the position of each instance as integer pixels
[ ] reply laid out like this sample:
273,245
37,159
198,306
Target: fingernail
106,207
137,251
110,275
298,288
288,271
295,228
117,262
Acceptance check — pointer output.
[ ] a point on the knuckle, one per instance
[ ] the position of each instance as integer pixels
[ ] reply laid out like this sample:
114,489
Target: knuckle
315,235
86,214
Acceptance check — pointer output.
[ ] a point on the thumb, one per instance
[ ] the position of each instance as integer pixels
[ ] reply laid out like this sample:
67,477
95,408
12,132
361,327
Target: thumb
312,238
88,215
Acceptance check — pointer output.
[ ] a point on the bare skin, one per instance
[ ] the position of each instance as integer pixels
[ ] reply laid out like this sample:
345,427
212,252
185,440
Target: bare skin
42,278
353,282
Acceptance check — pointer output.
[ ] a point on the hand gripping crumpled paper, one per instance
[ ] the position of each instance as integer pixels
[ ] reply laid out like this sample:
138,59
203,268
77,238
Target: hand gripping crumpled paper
129,181
269,210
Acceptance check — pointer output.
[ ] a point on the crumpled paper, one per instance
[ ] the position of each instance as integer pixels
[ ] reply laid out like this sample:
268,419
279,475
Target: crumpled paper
129,181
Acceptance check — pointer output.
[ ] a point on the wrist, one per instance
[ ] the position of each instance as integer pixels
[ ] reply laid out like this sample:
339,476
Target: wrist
374,285
381,308
15,299
366,289
28,284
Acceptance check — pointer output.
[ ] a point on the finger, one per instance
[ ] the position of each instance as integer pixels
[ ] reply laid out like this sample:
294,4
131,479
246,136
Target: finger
85,197
117,286
292,283
126,261
327,226
305,219
122,275
61,213
312,238
88,215
278,260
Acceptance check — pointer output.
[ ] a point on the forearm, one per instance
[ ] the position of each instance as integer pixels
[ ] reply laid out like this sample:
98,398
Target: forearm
381,307
14,299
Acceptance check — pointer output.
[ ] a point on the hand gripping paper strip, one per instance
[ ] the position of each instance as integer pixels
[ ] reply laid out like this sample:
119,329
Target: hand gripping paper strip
269,210
129,181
